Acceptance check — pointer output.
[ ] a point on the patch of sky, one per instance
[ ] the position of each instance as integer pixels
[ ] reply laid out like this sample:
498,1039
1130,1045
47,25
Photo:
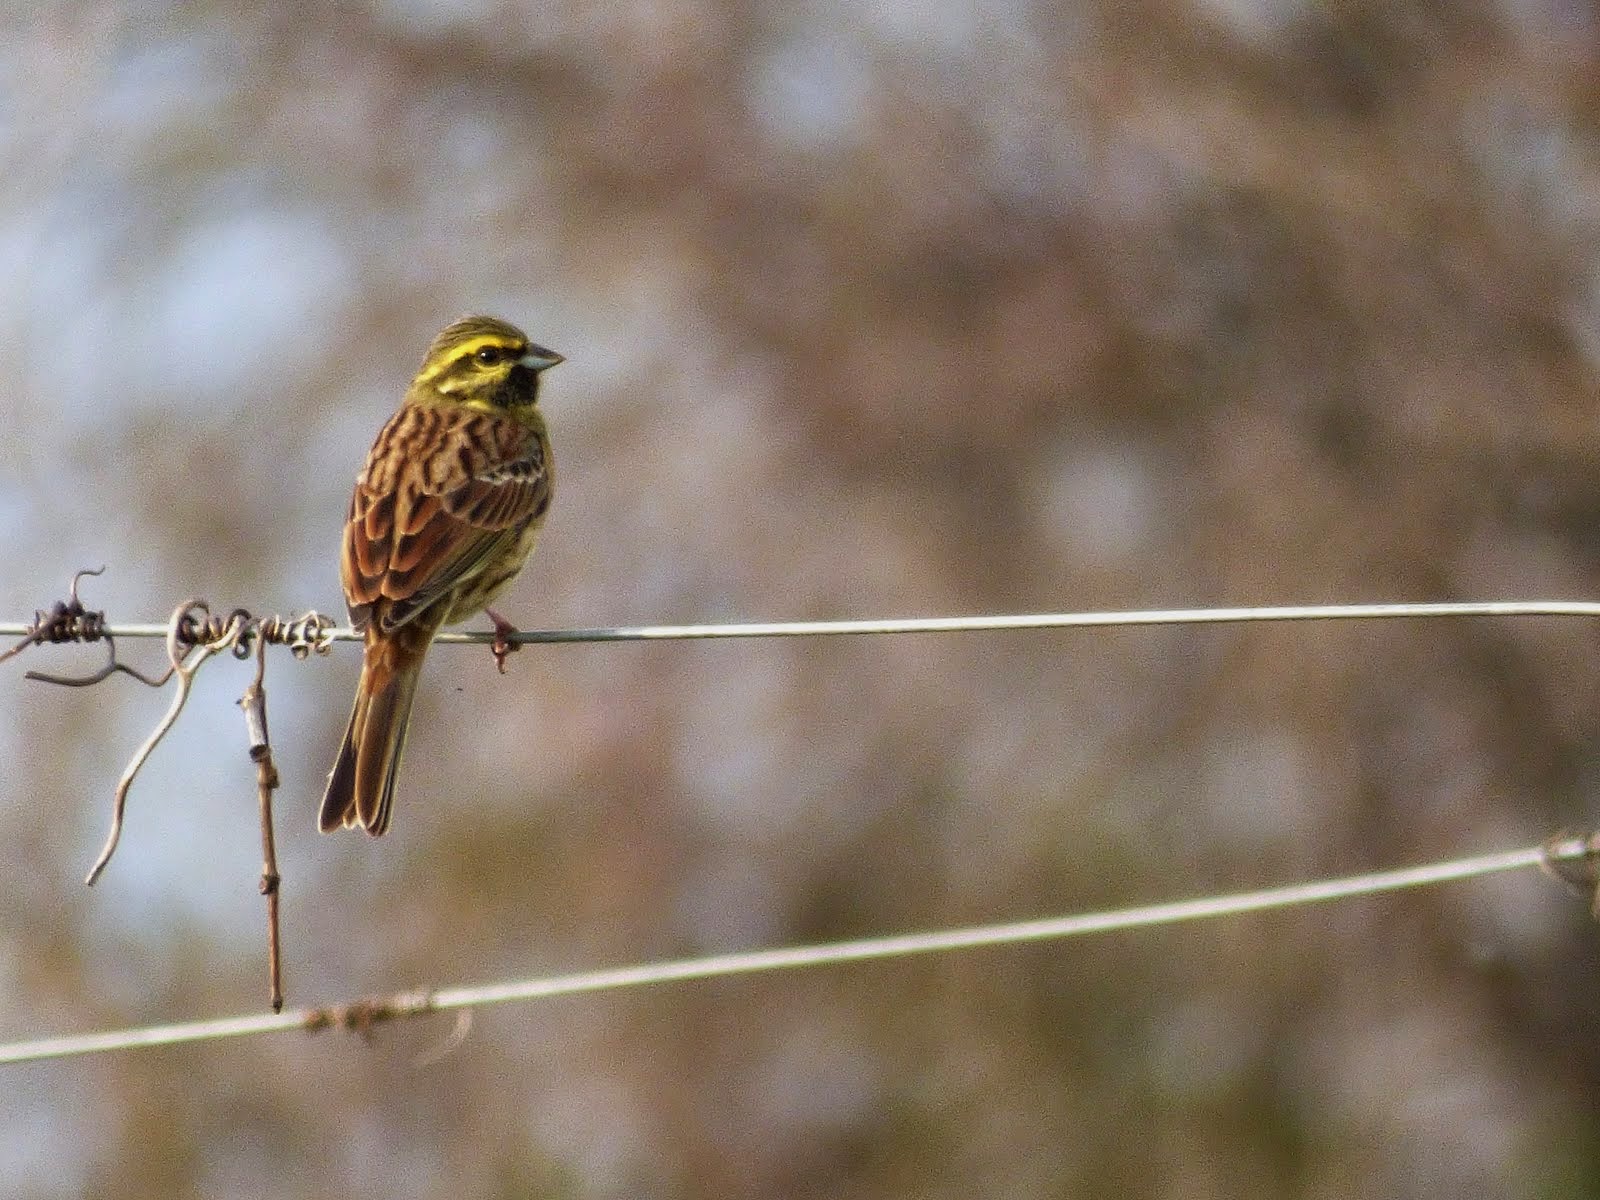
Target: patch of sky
810,90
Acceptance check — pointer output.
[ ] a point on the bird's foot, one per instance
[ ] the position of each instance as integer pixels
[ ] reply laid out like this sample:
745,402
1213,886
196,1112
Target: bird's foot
502,644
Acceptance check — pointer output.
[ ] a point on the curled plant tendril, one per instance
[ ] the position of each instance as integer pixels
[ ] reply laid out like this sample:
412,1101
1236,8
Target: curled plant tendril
186,660
69,621
194,634
301,635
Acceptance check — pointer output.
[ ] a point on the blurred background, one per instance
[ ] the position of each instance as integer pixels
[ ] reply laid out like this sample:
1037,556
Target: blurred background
876,309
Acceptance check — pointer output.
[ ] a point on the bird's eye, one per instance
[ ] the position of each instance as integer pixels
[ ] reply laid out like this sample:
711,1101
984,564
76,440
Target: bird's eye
488,356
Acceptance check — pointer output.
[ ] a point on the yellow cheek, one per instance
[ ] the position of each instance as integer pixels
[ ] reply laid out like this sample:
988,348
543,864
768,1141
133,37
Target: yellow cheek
469,381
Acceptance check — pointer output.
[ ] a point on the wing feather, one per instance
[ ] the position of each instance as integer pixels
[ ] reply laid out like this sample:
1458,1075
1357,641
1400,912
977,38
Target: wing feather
442,491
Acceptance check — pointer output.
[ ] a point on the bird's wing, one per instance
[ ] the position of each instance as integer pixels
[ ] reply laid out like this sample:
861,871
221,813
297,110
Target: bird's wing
442,491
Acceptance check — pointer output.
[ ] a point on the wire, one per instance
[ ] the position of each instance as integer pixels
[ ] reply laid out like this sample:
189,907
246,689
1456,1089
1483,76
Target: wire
363,1014
972,624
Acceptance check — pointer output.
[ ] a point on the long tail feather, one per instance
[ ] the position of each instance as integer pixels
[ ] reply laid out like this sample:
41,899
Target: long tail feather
383,737
360,790
339,800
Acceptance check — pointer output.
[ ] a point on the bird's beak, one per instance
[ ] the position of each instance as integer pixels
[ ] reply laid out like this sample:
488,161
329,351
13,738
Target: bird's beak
537,358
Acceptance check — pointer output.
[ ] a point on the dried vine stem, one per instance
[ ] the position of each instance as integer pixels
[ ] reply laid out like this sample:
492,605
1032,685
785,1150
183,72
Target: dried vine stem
186,661
193,635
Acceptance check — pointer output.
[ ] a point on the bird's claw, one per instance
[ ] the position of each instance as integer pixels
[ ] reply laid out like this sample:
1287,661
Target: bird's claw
502,646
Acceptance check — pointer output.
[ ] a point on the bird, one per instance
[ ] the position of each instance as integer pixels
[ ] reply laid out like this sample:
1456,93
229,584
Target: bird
444,514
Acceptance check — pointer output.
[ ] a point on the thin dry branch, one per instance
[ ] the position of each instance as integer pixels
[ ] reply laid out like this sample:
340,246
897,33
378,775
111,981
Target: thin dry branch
254,704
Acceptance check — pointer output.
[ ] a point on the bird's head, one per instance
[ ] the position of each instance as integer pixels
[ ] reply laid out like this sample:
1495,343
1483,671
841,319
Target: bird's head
483,363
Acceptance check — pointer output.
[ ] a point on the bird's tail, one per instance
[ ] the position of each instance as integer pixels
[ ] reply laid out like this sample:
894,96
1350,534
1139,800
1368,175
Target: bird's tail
361,785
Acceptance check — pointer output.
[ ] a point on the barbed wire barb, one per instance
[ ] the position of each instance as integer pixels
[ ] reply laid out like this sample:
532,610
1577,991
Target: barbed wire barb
66,621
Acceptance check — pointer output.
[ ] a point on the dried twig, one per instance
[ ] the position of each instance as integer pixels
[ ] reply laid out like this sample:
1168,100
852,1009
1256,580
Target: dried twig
254,704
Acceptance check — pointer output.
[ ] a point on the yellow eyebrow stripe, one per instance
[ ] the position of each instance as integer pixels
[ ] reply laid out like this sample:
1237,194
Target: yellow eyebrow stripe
468,348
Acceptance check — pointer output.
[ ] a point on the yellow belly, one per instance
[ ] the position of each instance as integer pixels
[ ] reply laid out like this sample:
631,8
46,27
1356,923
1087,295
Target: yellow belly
471,596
